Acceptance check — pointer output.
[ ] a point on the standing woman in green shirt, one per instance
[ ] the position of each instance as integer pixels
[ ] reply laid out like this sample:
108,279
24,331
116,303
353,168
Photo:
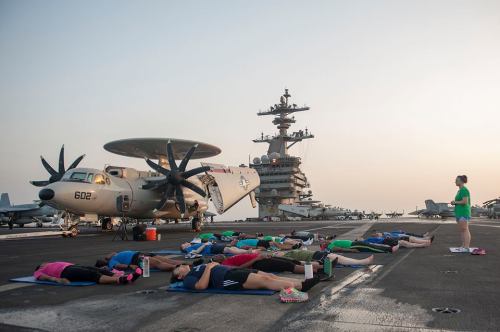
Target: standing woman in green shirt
462,205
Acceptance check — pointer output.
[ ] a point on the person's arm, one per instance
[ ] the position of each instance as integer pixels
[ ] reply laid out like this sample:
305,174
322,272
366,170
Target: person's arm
205,277
123,267
44,277
200,249
463,201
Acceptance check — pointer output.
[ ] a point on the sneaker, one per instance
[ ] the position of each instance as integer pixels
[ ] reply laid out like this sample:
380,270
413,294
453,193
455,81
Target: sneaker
292,295
192,255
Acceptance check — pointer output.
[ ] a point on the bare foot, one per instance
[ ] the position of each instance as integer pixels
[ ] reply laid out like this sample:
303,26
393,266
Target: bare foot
395,248
369,260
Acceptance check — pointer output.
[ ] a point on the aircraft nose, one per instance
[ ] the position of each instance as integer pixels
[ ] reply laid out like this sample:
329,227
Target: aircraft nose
46,194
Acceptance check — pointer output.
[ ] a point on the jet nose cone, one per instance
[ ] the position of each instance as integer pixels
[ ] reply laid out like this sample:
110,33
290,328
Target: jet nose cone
46,194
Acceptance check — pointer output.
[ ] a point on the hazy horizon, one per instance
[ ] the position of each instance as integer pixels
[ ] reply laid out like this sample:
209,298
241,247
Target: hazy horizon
404,95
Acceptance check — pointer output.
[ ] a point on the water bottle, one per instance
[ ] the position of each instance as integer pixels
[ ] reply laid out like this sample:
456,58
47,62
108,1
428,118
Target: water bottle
145,267
308,269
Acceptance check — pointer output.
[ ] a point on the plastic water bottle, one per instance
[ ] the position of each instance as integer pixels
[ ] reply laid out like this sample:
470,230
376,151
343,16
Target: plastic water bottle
145,267
308,269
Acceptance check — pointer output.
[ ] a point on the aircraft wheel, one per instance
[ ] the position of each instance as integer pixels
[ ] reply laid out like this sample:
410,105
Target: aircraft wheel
21,225
39,224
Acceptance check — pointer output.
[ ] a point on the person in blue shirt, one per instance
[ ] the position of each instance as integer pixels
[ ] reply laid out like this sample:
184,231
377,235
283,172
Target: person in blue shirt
209,248
130,259
410,237
264,244
394,241
214,275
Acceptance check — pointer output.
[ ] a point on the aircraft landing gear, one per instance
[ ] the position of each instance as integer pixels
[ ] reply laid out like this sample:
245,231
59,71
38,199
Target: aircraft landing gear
106,224
70,226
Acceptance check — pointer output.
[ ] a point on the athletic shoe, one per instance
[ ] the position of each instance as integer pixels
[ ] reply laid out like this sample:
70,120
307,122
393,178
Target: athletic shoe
478,251
291,295
463,249
192,255
308,242
297,246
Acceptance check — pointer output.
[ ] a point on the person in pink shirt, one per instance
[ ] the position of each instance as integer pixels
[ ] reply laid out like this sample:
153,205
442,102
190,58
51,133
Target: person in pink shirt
64,273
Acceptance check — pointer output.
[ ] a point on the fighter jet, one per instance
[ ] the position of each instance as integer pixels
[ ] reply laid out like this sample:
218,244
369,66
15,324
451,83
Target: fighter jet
24,213
170,191
444,210
493,208
394,214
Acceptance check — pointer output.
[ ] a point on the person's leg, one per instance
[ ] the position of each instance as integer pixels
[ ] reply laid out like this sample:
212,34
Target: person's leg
155,263
463,226
164,259
406,244
274,264
262,281
351,261
236,251
371,247
413,239
282,246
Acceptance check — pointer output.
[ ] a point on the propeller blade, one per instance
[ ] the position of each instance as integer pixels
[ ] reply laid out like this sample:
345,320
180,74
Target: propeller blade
76,162
40,183
61,161
194,188
158,168
179,195
168,193
48,167
195,171
185,160
170,156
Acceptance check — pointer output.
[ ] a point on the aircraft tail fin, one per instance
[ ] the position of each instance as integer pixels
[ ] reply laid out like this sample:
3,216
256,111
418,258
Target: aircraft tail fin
431,206
4,200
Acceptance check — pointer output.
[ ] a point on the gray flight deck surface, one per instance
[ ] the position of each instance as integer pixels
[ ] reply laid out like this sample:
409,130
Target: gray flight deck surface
397,294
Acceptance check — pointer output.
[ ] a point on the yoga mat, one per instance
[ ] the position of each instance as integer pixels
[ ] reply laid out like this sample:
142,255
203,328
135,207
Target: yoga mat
456,250
178,287
340,266
32,280
168,252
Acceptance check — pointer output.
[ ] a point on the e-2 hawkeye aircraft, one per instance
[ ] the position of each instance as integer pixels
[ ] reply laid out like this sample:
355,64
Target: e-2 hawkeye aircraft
169,192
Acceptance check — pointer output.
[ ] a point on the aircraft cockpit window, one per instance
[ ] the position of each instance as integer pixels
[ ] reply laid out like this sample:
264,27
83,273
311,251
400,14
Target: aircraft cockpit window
78,176
99,179
90,176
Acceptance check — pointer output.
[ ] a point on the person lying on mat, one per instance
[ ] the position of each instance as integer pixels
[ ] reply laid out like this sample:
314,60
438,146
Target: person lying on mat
214,275
262,262
264,244
358,246
209,248
318,257
64,273
411,237
281,239
130,259
412,242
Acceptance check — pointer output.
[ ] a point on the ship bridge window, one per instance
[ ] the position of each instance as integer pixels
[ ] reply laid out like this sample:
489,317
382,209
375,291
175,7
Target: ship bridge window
99,179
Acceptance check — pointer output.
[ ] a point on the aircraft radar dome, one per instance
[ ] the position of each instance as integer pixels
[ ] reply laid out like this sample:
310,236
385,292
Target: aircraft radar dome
256,160
264,159
274,192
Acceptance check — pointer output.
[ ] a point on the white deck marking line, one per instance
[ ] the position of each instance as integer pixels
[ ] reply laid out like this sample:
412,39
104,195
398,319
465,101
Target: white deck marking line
12,286
354,277
496,226
25,235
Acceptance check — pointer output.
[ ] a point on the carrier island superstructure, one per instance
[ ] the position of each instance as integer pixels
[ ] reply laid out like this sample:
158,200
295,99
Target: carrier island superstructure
281,180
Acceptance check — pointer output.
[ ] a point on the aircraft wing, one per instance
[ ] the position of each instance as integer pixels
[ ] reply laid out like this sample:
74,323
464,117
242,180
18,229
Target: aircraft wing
18,209
228,185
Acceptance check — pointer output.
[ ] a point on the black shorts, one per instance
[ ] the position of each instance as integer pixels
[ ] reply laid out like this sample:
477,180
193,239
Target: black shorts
274,264
81,273
404,237
320,256
264,243
235,278
217,248
388,241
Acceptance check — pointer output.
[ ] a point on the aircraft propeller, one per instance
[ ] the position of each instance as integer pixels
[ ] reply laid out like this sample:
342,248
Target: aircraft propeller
175,178
56,175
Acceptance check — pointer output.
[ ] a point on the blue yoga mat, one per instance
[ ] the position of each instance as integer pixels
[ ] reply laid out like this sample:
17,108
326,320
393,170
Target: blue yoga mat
32,280
178,287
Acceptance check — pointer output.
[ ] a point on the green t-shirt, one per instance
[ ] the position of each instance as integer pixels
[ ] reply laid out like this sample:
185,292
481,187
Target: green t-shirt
300,255
462,210
227,233
206,236
346,244
272,238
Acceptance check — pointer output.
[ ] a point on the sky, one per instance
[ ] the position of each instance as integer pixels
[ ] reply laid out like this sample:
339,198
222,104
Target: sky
404,95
